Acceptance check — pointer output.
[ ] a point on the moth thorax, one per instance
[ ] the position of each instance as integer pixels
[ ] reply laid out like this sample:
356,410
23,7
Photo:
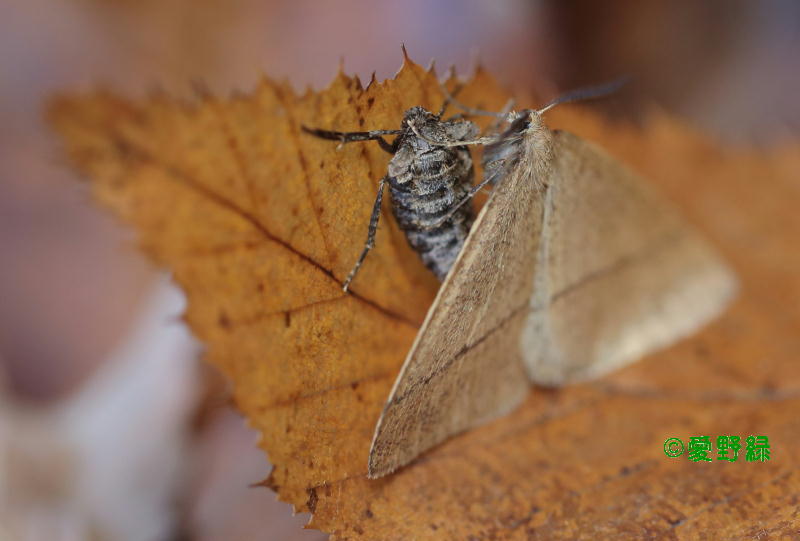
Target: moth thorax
539,139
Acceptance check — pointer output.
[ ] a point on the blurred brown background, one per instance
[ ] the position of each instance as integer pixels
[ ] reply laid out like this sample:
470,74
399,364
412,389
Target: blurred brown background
109,428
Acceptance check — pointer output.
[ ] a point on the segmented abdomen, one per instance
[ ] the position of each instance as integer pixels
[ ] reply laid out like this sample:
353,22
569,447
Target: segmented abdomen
422,193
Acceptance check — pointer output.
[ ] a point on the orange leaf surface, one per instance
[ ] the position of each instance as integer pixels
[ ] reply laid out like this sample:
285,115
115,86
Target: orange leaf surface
260,223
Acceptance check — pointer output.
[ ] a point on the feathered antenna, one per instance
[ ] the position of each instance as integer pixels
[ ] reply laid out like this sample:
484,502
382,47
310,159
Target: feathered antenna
587,93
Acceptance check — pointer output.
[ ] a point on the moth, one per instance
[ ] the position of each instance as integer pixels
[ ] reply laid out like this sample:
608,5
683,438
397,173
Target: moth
573,268
429,173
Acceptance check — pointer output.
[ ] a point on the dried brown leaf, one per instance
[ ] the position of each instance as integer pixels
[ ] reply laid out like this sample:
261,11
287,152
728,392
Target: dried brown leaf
260,224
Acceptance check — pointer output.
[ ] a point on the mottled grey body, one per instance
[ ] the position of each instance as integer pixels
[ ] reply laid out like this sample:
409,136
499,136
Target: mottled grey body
427,181
429,174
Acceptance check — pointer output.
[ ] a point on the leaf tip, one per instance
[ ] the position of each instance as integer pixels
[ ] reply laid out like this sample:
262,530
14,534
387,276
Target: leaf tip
476,64
450,74
269,482
372,80
200,89
432,67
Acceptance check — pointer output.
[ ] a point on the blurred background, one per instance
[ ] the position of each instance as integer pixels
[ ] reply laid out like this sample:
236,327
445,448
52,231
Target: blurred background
111,428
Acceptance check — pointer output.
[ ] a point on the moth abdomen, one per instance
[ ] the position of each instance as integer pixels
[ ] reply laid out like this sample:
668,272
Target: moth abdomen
438,248
419,209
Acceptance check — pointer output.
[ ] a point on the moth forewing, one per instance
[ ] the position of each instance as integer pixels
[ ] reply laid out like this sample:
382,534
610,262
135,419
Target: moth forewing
625,274
465,366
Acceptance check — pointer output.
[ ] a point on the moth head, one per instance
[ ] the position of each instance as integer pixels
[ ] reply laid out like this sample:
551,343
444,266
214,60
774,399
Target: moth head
503,155
520,123
419,116
430,129
533,121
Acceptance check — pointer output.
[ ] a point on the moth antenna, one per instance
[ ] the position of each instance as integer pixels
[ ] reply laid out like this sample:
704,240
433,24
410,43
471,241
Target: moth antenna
449,98
587,93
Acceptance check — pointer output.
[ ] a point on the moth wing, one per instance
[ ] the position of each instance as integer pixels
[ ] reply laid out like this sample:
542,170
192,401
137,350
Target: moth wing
465,367
624,274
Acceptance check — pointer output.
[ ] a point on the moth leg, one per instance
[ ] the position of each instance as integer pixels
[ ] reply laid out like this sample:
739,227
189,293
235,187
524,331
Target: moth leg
506,112
457,116
503,116
475,189
448,97
455,142
373,228
353,136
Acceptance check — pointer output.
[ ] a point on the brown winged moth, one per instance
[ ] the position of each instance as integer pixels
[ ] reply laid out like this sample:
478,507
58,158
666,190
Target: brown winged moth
574,267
